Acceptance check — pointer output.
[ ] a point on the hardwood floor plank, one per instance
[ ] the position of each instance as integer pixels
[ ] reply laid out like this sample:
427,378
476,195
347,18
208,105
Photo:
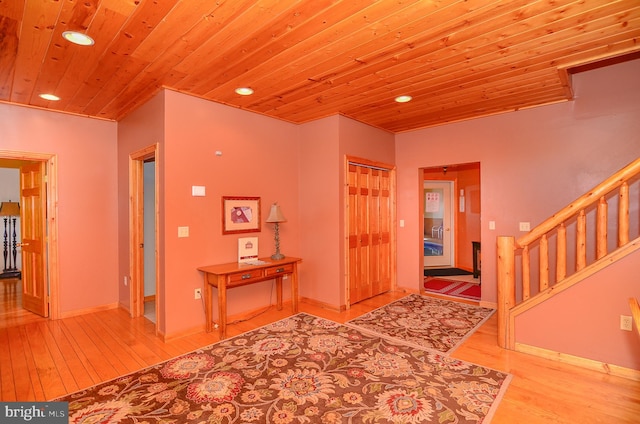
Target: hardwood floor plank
7,386
121,351
91,352
19,355
72,370
105,344
31,360
46,373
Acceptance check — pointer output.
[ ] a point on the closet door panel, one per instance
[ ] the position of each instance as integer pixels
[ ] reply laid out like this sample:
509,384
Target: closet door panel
369,240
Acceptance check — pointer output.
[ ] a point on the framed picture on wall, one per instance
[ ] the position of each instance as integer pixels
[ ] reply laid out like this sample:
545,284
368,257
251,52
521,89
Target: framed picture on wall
240,214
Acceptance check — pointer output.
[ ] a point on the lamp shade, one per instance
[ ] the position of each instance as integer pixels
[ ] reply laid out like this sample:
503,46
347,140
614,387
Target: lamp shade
10,209
275,215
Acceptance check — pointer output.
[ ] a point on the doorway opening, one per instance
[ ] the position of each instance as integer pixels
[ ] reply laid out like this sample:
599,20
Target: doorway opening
450,222
145,296
36,295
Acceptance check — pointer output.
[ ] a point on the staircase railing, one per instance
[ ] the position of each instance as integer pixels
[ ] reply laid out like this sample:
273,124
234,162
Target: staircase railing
562,243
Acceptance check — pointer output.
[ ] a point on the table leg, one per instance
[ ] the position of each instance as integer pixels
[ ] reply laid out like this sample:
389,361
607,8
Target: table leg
279,292
294,289
208,307
222,307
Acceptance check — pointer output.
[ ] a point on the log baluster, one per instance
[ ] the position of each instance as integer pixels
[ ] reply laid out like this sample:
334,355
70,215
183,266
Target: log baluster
526,274
623,215
601,228
544,262
561,253
581,241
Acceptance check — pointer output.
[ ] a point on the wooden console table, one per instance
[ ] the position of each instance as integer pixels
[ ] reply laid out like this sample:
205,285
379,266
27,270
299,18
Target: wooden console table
230,275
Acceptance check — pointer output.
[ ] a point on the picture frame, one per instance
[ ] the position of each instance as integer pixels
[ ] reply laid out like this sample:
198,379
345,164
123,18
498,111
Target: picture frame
240,214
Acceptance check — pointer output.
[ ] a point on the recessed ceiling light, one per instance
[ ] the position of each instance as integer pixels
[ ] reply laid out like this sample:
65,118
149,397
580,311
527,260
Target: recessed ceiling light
51,97
403,99
244,91
78,38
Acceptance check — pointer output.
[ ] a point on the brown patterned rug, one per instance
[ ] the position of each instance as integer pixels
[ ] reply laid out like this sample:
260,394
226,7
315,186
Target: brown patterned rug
302,369
425,321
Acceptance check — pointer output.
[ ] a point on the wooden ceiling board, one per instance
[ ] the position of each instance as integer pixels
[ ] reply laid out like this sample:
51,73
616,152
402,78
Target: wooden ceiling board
308,59
297,41
34,37
374,71
81,82
9,48
60,54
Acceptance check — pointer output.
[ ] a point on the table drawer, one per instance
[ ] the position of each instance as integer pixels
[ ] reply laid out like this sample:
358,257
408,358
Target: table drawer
244,277
282,269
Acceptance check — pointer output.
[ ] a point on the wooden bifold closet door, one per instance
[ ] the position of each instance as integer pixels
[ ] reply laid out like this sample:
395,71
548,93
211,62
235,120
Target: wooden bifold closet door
369,231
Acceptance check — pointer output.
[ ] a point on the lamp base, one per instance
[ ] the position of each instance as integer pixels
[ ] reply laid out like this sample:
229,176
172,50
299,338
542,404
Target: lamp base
277,256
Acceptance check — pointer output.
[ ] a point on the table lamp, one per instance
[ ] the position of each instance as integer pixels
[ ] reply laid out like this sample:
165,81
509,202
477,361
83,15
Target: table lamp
276,217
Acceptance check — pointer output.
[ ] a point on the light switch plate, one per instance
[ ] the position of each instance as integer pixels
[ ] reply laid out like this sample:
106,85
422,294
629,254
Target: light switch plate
198,191
183,231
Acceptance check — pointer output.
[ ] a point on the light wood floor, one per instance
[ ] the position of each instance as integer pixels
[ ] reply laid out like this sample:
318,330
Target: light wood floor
43,359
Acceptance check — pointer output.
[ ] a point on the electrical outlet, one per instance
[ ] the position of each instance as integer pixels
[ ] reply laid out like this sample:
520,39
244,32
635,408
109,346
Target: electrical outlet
197,294
625,323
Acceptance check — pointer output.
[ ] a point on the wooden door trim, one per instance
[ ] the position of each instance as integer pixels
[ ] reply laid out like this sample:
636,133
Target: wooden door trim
355,160
136,208
52,265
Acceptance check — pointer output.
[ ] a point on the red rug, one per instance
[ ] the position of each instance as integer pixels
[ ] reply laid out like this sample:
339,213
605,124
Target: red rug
461,289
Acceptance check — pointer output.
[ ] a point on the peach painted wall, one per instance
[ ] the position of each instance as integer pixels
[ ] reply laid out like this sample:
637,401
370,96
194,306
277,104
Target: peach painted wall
320,182
259,158
87,197
533,163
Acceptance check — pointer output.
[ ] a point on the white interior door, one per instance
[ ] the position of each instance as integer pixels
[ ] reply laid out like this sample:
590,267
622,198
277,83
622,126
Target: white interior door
438,224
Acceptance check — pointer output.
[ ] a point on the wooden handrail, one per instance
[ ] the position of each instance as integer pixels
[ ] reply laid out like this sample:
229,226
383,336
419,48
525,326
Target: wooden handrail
587,199
541,235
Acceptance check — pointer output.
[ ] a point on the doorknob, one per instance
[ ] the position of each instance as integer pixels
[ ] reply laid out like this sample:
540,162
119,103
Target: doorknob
22,244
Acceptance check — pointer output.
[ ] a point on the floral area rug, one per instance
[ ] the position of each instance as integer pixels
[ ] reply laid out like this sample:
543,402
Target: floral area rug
425,321
302,369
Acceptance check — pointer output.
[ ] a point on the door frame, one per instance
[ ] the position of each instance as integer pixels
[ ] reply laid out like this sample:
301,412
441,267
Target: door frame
136,232
50,180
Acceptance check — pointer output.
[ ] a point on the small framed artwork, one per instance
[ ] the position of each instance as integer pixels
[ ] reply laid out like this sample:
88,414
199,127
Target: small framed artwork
240,214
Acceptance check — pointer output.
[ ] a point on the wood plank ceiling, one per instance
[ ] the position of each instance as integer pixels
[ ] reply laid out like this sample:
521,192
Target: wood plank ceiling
309,59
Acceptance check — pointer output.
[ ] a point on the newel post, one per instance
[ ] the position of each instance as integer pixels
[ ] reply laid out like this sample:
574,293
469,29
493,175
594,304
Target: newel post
506,288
